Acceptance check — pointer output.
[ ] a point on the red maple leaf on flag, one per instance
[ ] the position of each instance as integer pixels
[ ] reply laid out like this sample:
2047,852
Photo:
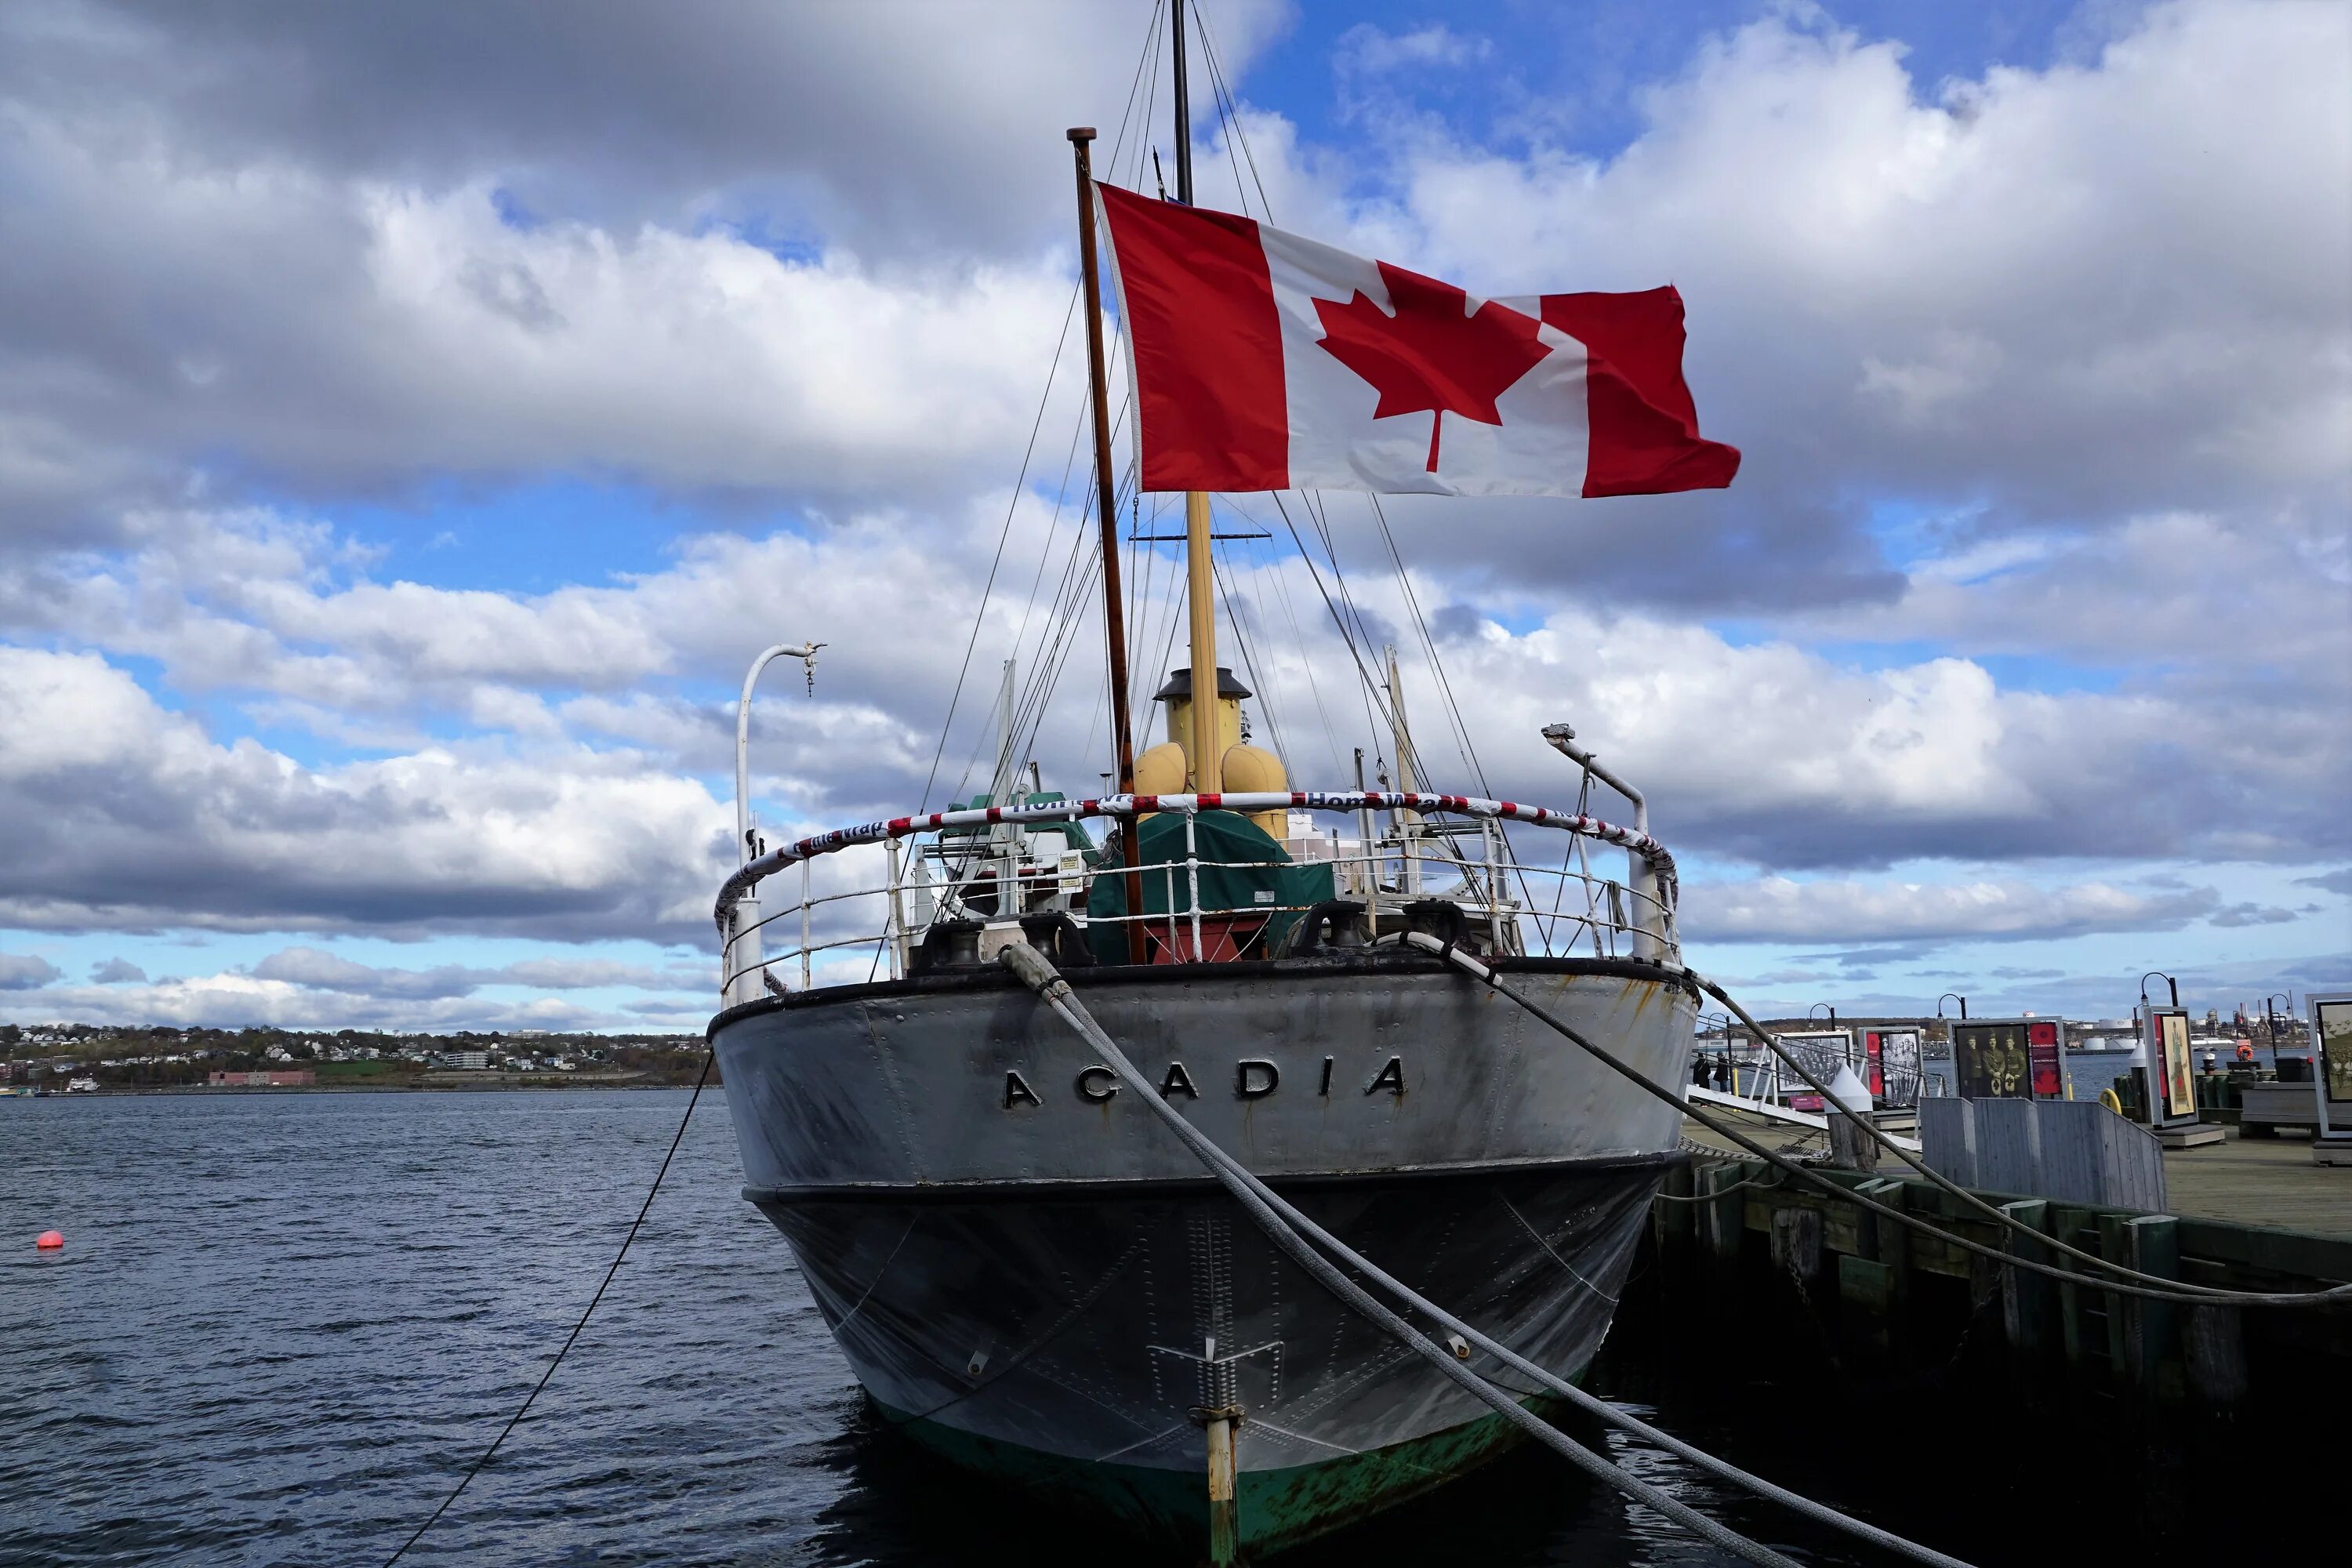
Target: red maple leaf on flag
1433,353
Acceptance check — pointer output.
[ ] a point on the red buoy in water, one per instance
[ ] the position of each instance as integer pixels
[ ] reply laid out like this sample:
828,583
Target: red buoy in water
48,1240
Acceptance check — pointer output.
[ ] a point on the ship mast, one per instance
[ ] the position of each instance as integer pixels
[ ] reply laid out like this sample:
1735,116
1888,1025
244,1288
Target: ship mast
1200,584
1107,515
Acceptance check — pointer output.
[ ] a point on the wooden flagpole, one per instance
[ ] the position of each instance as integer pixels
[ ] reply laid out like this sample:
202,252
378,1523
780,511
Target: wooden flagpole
1107,514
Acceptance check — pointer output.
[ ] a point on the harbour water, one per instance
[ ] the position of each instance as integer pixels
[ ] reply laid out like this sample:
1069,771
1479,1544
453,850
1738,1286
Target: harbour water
283,1324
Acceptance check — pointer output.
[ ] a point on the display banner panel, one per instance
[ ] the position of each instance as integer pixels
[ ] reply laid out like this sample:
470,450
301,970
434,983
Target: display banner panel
2180,1091
1897,1062
1823,1053
2041,1042
2331,1030
1988,1056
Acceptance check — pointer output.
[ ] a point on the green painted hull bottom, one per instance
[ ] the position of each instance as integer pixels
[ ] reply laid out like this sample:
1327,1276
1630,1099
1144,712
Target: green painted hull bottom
1278,1508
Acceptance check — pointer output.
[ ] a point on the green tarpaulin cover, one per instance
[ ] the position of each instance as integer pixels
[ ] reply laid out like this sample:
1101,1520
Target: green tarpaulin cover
1258,873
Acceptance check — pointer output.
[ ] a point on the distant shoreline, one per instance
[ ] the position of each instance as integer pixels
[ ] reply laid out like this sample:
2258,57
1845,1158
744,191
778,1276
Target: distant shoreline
492,1086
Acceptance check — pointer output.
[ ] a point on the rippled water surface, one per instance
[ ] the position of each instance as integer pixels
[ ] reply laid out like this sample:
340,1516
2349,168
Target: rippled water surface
284,1324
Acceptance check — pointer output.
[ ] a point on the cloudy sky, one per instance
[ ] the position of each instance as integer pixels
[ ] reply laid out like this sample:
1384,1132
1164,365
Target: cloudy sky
412,418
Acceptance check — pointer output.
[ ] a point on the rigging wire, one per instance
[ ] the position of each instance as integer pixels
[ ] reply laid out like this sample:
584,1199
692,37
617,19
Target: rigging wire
1230,120
1244,586
1230,123
998,777
1289,1230
1054,628
1145,79
981,737
1147,65
1081,571
1278,572
1217,79
1224,129
1317,508
1371,688
1148,53
1462,745
573,1337
1012,508
1278,568
1468,747
1249,662
1140,637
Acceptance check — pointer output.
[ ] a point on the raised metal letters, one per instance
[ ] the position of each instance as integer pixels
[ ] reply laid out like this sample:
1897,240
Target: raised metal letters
1256,1077
1178,1079
1391,1077
1096,1083
1325,1089
1016,1089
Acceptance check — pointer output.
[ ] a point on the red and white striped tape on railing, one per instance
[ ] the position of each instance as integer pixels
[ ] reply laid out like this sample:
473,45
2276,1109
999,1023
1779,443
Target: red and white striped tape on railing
1125,805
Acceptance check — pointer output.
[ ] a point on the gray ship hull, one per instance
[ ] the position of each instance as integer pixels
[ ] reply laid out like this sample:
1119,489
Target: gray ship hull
1030,1276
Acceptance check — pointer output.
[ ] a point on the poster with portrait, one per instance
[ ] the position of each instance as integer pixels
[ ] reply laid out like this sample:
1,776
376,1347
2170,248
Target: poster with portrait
2169,1064
1988,1056
2331,1037
1895,1066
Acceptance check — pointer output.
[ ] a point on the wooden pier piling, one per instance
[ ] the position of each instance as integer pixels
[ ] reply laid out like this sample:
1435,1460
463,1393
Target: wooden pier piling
2151,1245
1797,1248
2027,1298
1897,1286
2214,1347
1722,1220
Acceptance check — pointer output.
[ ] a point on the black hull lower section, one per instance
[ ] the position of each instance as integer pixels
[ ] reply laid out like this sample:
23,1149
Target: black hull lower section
1065,1337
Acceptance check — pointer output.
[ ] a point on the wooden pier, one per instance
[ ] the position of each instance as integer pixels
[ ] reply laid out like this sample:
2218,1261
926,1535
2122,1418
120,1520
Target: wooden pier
2248,1214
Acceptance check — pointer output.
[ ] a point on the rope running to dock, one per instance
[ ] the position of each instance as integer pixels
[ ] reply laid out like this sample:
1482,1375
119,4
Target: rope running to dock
1290,1231
2157,1290
2165,1289
643,1210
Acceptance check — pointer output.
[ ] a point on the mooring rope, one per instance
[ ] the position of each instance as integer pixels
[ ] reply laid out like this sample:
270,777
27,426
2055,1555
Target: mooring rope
2158,1289
2191,1291
643,1209
1721,1192
1290,1230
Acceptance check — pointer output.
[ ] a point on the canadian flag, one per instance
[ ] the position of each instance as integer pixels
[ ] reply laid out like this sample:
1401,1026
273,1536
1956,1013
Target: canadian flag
1266,361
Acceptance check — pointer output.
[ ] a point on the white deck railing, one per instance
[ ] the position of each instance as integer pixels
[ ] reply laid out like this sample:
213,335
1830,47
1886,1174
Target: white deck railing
993,878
